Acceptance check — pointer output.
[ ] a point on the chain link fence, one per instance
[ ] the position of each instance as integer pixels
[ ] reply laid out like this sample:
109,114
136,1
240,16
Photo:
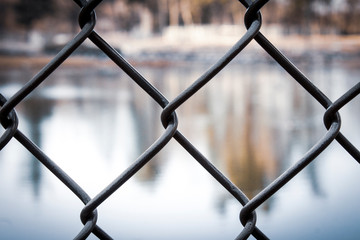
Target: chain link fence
89,214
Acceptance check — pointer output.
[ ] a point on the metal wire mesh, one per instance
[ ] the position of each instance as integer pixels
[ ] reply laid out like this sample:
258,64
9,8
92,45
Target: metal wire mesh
89,214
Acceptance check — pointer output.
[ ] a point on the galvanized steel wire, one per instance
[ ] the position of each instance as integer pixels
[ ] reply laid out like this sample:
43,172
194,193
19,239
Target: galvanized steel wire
89,214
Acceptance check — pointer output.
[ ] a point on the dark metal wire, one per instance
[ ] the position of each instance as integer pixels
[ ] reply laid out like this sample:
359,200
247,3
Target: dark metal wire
252,19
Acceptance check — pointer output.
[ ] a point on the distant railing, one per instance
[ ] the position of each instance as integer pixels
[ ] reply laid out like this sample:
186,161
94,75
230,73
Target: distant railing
89,214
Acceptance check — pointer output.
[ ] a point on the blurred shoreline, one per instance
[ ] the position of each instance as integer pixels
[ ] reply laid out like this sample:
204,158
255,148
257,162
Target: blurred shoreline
179,46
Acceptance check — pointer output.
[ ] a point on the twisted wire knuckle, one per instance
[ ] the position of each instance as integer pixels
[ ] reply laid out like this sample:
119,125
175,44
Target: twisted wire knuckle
169,120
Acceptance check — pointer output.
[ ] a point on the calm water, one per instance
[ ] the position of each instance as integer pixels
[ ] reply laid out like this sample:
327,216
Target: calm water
252,121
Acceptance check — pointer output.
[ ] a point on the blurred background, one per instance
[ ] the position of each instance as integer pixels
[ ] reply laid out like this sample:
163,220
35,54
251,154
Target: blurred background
252,121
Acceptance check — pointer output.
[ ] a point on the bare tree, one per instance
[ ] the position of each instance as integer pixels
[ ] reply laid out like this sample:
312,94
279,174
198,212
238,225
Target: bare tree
29,11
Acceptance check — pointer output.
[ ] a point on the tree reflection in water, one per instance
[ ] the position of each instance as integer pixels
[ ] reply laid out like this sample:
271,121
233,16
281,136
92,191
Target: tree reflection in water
252,122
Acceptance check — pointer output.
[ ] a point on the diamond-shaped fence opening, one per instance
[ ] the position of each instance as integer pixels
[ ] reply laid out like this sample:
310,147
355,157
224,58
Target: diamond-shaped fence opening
148,125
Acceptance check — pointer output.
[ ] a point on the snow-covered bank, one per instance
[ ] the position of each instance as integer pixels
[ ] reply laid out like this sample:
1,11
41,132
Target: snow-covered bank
208,43
194,44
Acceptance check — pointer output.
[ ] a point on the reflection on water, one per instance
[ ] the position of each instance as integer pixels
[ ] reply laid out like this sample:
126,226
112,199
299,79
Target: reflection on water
35,110
252,122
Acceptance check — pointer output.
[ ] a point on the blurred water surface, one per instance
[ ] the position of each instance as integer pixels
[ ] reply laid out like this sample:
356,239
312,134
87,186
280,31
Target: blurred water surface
252,121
